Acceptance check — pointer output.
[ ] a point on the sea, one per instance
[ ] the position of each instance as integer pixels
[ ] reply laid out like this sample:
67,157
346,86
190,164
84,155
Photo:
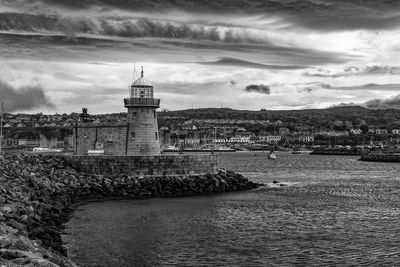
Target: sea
324,211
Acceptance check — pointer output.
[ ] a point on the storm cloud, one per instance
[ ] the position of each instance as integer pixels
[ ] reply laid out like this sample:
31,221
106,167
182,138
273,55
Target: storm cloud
319,15
392,102
377,103
261,88
24,98
226,61
312,53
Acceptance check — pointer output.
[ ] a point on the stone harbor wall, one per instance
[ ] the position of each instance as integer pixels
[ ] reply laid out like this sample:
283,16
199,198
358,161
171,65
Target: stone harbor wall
112,138
380,157
38,194
163,165
337,151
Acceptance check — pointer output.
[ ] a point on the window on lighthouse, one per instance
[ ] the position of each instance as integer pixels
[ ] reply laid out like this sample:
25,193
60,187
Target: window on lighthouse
141,93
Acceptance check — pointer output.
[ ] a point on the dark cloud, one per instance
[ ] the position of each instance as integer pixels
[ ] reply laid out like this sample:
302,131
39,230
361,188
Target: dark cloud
129,27
374,69
227,61
262,89
275,53
369,86
356,71
393,102
64,33
322,15
106,49
378,103
24,98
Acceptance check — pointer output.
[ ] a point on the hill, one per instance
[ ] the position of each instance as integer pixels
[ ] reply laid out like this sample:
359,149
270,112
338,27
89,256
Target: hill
319,118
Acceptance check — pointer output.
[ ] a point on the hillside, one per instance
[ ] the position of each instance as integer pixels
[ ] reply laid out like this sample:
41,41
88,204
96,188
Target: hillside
309,117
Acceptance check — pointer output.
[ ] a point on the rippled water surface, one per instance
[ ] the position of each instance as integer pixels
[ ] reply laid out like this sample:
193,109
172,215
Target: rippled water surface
334,210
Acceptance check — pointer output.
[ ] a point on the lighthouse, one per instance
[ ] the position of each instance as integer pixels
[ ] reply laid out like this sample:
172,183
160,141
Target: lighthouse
142,129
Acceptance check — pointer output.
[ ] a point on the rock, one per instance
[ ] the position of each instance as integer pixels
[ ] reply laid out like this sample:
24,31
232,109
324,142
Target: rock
37,191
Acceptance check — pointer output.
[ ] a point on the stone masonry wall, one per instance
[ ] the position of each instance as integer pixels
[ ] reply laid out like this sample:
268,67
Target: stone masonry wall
162,165
143,124
112,138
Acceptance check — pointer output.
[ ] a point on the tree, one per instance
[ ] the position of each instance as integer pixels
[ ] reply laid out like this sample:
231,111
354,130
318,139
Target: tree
364,128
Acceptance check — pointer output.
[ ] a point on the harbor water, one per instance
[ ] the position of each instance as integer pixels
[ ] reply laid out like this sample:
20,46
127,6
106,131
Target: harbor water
327,210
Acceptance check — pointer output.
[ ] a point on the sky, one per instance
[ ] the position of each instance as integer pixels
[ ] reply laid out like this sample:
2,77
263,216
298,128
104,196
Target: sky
62,55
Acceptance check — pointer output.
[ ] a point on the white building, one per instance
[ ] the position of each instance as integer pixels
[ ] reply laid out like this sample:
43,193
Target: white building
273,138
396,131
356,131
381,131
306,138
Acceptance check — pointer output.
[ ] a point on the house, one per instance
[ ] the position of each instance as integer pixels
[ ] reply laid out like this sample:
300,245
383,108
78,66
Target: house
28,142
356,131
10,142
396,131
283,131
273,138
243,136
381,131
306,138
238,140
333,133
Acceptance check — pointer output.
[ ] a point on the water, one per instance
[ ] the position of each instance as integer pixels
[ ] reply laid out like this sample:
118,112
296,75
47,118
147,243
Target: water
334,210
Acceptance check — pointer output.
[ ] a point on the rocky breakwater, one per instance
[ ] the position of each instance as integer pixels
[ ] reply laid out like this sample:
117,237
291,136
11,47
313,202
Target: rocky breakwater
380,157
337,151
39,192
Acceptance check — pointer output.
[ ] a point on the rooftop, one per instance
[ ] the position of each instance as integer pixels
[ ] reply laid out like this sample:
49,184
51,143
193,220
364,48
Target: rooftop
141,81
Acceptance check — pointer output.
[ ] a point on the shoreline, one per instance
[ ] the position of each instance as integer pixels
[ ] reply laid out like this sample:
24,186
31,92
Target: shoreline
39,193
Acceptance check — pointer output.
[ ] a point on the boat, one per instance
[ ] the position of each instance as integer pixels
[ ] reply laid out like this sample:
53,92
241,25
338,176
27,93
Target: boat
272,155
199,149
171,149
46,150
301,152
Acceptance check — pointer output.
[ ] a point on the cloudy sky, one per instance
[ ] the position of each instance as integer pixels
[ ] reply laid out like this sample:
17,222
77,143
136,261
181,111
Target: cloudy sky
62,55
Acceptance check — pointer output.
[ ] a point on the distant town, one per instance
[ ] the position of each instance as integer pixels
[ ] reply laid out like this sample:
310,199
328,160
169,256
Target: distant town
234,129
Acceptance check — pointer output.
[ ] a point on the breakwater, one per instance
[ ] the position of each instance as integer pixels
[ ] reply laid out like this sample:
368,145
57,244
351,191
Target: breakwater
38,194
161,165
381,157
336,151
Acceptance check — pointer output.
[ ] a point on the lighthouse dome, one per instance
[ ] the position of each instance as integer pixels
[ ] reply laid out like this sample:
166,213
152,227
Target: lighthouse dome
141,82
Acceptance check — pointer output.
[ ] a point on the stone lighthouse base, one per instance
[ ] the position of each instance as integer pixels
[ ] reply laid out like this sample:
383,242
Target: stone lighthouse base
163,165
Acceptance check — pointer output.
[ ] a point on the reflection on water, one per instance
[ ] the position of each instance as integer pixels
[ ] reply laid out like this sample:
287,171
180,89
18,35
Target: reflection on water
335,210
